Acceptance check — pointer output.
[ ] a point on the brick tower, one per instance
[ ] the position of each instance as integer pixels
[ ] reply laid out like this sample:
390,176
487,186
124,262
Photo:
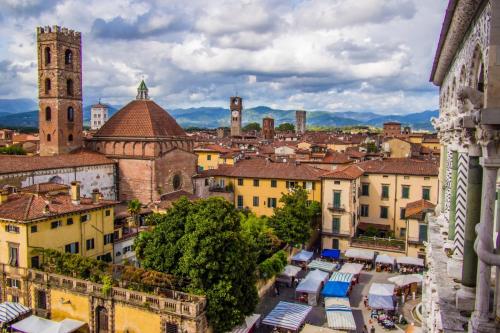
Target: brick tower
300,121
236,108
268,128
59,90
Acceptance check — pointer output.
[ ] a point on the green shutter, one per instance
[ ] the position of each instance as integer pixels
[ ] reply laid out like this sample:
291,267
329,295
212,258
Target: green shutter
422,232
336,199
336,225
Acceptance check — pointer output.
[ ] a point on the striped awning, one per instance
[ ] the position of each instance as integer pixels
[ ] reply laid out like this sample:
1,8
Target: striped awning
340,317
341,277
322,265
10,311
287,315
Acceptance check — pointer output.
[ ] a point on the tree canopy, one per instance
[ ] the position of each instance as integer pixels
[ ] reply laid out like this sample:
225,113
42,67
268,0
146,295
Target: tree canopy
203,242
294,221
12,150
252,127
285,127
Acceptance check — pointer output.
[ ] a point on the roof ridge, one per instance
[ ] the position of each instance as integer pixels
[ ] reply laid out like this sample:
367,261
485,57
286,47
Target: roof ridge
27,210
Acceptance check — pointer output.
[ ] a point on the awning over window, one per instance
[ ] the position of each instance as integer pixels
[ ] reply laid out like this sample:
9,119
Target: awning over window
288,315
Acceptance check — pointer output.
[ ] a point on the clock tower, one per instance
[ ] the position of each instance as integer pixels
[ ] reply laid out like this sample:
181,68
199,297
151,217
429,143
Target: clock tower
236,107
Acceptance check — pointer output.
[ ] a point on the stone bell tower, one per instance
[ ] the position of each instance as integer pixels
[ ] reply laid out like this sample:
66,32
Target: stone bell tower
59,90
236,108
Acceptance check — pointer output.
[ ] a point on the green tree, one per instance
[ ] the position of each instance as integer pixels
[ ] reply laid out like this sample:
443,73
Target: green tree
294,221
12,150
134,208
371,147
252,127
286,127
202,242
260,236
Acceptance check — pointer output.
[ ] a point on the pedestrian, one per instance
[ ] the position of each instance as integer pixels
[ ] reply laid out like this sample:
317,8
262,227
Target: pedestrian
277,289
365,301
372,330
365,329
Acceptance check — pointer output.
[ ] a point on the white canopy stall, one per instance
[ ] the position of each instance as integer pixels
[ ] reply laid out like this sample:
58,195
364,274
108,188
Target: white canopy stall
362,254
303,256
352,268
288,275
10,311
35,324
311,285
410,261
287,315
381,296
339,314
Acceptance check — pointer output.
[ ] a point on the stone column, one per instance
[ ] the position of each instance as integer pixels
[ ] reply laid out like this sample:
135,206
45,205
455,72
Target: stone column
461,203
480,317
466,295
442,175
447,194
453,195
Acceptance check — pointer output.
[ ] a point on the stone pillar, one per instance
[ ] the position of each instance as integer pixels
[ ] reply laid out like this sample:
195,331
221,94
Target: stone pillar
442,175
467,293
453,195
480,317
447,194
461,203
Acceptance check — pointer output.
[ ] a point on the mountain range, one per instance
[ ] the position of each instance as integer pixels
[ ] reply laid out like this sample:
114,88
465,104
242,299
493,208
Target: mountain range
16,113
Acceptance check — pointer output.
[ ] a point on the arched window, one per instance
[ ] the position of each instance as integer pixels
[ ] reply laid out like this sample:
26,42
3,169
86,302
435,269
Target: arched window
49,137
48,114
480,78
70,137
47,86
177,182
101,319
71,114
56,180
47,55
68,57
69,87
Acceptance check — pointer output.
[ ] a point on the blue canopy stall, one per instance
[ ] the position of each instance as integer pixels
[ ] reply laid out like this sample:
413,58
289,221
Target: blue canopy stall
331,254
335,289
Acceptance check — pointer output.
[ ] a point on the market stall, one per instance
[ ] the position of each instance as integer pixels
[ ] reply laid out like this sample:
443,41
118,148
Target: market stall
339,314
325,266
289,275
35,324
308,289
361,256
287,316
332,254
308,328
381,296
251,322
385,263
407,284
302,258
352,268
342,277
11,311
410,265
335,289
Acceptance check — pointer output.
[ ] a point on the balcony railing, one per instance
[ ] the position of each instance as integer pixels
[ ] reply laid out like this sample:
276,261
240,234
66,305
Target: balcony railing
336,207
378,243
222,189
415,240
337,233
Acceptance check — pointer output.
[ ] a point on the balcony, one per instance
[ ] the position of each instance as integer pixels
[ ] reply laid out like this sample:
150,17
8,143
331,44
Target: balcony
415,240
221,189
336,208
336,233
378,243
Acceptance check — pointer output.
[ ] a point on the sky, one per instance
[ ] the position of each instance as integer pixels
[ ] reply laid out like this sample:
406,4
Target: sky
332,55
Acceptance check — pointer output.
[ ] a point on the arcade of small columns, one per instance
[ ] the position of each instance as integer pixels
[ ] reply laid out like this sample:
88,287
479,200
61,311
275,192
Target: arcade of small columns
470,159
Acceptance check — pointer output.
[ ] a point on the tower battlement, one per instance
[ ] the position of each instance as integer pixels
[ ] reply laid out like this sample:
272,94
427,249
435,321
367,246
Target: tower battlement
55,29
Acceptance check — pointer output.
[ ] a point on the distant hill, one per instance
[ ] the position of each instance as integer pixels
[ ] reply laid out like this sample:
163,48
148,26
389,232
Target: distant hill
213,117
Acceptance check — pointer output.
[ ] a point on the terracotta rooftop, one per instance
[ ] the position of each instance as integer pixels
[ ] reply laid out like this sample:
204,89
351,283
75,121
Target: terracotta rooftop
262,168
213,148
168,199
348,173
141,118
336,158
416,210
43,188
26,207
401,166
17,163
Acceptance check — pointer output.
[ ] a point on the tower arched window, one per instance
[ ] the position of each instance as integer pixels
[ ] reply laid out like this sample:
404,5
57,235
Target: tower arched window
68,57
47,55
480,78
49,137
70,137
48,114
71,114
47,86
69,87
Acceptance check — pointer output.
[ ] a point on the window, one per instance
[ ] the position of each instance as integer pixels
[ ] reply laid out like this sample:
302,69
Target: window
240,181
291,184
47,86
49,137
384,212
14,299
271,202
405,191
35,262
69,221
12,228
336,225
308,185
105,257
335,243
71,248
108,212
108,239
406,177
47,55
177,182
256,183
34,228
364,210
55,224
71,114
336,182
274,183
68,57
127,248
171,328
336,199
427,178
48,114
240,201
84,218
14,255
402,232
89,244
426,193
385,191
13,283
365,189
69,87
41,299
402,213
209,157
422,232
70,138
256,201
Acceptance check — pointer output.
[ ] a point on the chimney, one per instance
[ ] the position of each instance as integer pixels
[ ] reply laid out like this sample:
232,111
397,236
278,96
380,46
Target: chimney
96,196
75,193
4,196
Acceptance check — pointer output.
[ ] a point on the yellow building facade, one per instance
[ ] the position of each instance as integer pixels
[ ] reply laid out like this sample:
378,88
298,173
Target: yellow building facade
211,156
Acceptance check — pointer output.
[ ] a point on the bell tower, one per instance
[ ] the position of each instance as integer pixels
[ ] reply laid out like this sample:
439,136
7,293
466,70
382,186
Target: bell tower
59,90
236,108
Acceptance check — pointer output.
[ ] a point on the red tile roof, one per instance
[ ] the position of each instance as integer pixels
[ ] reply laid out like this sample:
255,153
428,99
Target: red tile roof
349,173
417,209
141,118
262,168
16,163
42,188
400,166
213,148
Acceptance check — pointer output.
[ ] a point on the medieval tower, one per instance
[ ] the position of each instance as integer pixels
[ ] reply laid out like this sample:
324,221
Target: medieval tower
236,108
300,121
268,128
59,90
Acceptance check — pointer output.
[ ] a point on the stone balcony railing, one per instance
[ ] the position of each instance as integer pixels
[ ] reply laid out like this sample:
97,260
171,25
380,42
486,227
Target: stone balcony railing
336,208
378,243
173,302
